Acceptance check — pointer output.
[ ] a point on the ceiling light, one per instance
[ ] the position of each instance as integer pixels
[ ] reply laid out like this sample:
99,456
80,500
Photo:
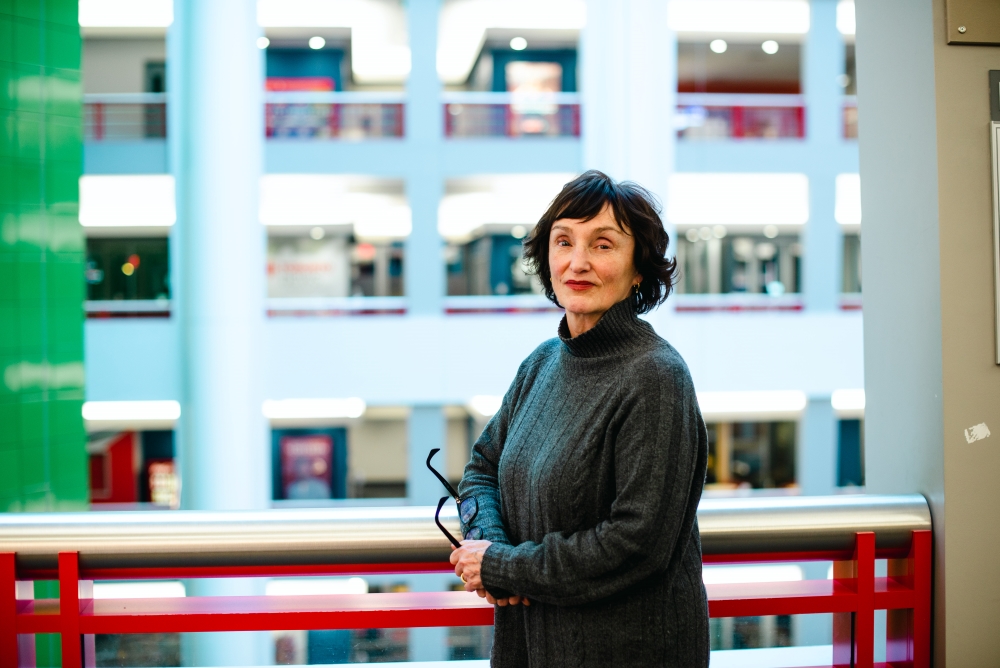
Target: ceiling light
316,42
125,13
848,400
769,17
315,586
847,200
519,44
133,200
131,410
351,407
718,406
317,233
770,47
718,46
751,199
485,405
770,231
263,42
846,23
518,231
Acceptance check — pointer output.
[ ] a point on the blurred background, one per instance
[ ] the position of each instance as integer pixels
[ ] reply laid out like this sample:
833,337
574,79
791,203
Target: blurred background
268,254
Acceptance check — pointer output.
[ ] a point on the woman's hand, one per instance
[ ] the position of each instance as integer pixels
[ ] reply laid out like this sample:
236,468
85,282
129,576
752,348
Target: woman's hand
502,602
468,561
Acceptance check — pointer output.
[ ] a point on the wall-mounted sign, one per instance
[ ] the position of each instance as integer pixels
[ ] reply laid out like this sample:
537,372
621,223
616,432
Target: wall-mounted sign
973,22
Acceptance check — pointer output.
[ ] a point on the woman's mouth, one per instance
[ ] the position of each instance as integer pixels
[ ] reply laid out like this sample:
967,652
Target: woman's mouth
578,285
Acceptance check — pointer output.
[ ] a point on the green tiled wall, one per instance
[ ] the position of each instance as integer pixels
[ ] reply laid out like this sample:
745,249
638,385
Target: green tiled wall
43,462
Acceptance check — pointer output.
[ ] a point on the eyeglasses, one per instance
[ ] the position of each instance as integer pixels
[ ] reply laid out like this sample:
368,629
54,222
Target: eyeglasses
468,508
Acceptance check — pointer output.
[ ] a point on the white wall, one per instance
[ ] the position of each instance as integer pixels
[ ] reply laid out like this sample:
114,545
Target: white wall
119,65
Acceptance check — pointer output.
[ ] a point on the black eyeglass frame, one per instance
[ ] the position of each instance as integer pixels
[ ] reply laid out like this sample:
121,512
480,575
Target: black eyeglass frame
458,502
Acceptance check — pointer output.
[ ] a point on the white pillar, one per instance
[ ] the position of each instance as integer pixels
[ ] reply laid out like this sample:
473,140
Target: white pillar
216,154
427,428
629,91
822,63
424,266
816,464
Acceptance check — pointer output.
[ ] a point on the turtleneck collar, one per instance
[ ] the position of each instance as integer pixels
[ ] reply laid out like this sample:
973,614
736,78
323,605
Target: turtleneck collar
618,331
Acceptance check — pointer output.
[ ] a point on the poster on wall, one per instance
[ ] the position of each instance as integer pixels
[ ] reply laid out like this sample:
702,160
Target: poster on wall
306,466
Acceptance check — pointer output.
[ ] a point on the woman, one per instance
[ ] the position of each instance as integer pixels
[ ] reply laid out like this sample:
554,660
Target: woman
588,478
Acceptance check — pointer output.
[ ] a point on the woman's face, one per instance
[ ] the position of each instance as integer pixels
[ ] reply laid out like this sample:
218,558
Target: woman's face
591,264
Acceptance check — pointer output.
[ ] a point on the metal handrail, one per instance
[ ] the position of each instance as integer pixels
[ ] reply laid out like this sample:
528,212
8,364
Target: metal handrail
387,535
125,98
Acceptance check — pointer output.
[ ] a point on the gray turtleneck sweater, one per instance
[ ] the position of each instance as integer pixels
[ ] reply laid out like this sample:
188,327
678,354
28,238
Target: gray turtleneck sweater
588,480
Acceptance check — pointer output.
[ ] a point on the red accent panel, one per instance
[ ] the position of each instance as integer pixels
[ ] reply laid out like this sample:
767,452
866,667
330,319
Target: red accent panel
121,484
69,609
38,616
8,611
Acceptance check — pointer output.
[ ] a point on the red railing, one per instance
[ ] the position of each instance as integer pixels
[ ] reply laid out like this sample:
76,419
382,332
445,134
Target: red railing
344,115
734,116
853,596
486,114
124,116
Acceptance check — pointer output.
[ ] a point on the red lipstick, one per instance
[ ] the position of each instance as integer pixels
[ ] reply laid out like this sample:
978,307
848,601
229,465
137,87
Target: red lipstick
579,285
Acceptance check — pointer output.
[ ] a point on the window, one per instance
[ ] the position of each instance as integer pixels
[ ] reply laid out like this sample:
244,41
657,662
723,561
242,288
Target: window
751,455
489,265
127,269
711,261
335,265
852,264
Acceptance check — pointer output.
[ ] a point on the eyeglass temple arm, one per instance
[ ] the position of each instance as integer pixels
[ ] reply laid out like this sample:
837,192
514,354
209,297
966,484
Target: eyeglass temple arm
437,521
440,477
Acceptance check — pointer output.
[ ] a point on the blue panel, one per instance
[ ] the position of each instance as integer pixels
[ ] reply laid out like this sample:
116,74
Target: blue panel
306,63
564,57
849,471
142,156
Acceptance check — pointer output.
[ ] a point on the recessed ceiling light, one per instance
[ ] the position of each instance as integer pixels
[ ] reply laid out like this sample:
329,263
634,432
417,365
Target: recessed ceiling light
770,47
263,42
718,46
519,44
316,42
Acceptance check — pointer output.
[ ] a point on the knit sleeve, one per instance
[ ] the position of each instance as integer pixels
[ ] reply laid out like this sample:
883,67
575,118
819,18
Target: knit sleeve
659,468
480,478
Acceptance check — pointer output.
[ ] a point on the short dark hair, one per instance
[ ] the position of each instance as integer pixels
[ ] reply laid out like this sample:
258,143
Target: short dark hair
637,213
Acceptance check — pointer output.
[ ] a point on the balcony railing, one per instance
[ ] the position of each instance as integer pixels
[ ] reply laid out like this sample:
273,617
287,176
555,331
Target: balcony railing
77,548
737,116
486,114
339,115
850,113
124,116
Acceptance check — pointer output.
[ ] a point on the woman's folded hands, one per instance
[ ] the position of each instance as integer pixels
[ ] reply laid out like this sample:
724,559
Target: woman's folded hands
468,561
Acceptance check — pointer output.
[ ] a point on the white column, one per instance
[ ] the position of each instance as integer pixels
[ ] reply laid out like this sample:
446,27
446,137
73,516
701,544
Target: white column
216,155
629,90
822,63
816,464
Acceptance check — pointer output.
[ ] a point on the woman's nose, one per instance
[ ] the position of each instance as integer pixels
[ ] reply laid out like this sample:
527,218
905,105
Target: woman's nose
580,259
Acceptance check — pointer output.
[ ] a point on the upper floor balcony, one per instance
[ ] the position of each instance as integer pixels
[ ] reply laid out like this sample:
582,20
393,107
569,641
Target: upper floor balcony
355,116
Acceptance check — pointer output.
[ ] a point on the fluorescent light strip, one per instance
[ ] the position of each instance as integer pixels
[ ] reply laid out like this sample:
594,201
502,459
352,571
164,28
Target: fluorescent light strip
132,200
848,400
316,586
738,199
131,410
750,403
770,17
845,17
486,405
125,13
847,200
168,589
750,574
305,409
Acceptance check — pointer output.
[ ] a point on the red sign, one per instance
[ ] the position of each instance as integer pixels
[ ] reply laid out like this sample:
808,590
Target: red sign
285,84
